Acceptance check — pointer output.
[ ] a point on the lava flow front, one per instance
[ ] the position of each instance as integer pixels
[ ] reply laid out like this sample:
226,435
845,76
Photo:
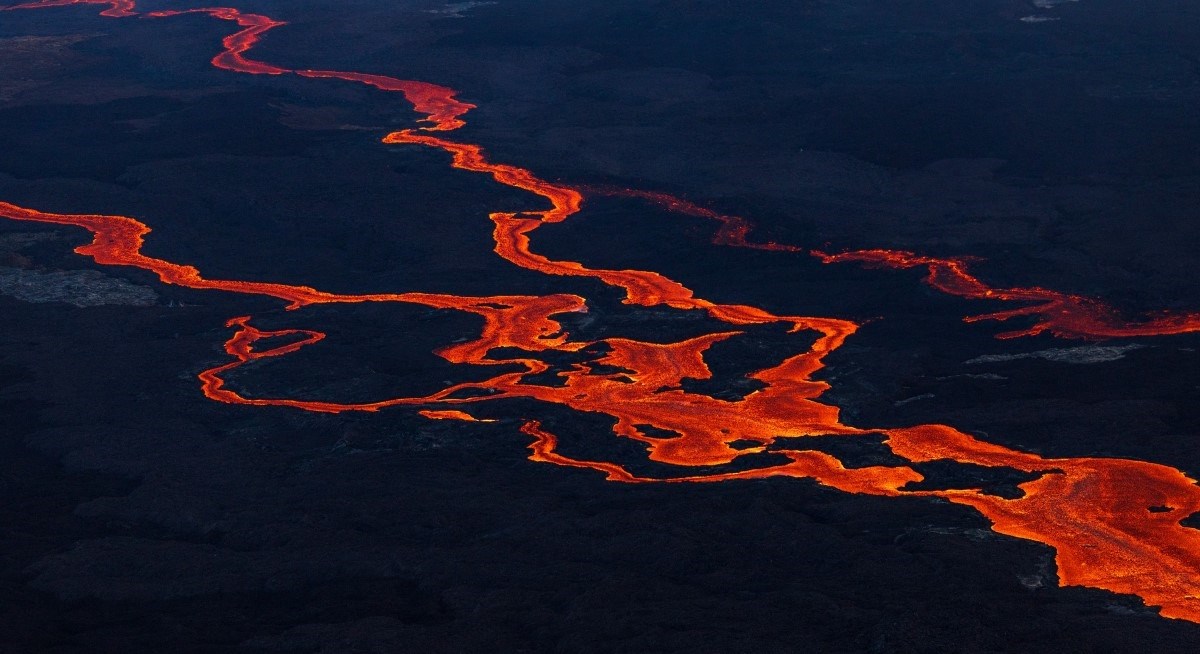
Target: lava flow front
1114,523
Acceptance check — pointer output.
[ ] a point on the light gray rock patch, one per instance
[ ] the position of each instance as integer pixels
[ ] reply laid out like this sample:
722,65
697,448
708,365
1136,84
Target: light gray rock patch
1081,354
81,288
457,9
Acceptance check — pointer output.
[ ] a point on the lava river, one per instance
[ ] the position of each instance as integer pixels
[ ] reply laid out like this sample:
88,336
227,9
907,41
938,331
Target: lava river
1114,523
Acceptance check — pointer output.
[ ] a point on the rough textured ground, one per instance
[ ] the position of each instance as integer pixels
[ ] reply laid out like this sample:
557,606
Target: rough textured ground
139,517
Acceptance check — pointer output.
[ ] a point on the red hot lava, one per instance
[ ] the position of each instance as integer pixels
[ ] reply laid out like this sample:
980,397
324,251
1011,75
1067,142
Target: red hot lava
1104,517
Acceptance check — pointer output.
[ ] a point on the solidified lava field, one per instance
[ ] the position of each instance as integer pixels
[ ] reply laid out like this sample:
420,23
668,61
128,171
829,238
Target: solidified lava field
522,326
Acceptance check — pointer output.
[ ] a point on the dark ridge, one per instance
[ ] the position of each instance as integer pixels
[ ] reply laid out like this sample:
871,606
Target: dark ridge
945,475
860,451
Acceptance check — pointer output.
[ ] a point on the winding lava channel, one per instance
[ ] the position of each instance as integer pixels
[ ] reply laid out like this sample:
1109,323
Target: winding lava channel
1114,523
1062,314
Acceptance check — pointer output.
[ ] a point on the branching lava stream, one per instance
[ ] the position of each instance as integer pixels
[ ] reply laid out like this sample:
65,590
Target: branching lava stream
1062,314
1114,523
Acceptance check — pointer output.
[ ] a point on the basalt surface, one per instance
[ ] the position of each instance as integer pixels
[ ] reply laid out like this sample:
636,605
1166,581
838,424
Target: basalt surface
374,324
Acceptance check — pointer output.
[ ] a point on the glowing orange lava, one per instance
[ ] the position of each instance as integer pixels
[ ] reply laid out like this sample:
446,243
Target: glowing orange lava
1095,512
1068,316
450,414
116,8
733,231
1062,314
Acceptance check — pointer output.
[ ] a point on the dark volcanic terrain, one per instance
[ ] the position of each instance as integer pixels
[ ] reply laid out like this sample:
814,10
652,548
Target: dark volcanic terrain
1056,141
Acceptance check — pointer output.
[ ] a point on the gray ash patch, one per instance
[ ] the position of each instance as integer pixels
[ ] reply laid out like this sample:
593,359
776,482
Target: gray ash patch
81,288
1081,354
457,9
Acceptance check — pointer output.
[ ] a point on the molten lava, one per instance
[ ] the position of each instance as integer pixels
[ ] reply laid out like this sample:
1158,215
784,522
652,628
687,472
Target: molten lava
1103,516
733,231
1062,314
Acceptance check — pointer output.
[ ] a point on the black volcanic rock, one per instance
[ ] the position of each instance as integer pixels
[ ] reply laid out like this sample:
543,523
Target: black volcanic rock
138,516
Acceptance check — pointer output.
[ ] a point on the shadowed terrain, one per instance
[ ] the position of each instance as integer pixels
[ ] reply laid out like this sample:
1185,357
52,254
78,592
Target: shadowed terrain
1115,521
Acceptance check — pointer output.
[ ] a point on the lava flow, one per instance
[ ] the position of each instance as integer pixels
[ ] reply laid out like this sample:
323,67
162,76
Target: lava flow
1115,524
734,231
1061,314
